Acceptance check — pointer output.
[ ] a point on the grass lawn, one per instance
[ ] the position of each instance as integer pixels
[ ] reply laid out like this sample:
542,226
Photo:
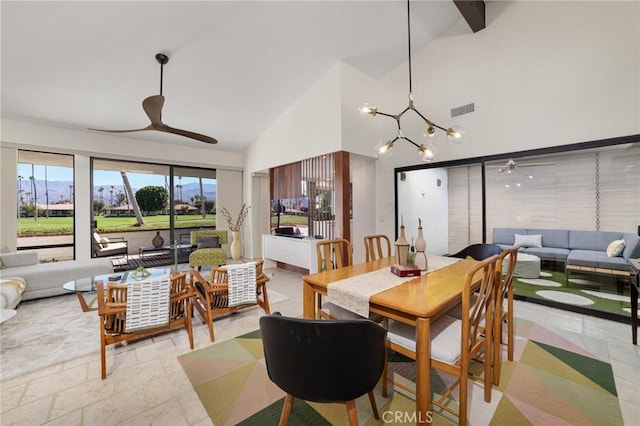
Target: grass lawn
64,225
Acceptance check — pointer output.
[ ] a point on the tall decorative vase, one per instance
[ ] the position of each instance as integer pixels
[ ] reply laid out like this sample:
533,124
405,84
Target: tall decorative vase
236,245
402,246
421,247
157,241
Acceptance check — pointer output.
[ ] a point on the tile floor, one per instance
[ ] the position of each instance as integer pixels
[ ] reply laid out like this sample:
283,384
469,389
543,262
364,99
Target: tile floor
146,385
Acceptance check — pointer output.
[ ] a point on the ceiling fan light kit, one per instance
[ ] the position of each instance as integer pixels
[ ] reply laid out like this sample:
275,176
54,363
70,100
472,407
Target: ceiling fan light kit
427,150
152,106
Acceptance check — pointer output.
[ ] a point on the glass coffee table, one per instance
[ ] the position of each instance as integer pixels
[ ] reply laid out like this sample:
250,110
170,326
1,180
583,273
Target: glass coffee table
89,284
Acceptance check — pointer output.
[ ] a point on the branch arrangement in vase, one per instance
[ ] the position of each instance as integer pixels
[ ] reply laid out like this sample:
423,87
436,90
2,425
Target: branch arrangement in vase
235,226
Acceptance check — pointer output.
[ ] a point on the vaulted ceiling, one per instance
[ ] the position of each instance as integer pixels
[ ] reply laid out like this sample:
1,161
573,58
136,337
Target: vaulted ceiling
234,66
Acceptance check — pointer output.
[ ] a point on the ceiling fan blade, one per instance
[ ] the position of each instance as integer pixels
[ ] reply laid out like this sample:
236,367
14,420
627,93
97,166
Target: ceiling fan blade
187,134
535,164
122,131
153,108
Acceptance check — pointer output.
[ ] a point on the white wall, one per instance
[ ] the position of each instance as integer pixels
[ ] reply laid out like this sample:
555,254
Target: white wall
310,127
423,195
364,203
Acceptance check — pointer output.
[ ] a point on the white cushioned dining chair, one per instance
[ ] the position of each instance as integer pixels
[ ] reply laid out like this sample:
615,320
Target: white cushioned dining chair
505,266
456,342
336,254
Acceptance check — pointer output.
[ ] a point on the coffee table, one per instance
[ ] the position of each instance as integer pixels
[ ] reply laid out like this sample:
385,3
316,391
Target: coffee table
89,284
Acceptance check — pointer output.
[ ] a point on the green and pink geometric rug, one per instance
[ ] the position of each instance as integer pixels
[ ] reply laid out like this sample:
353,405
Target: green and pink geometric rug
556,377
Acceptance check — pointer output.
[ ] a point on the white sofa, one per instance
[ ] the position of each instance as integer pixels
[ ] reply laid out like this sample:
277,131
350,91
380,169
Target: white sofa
46,279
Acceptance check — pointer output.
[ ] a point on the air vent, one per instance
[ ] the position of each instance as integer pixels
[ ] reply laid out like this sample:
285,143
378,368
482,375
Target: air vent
464,109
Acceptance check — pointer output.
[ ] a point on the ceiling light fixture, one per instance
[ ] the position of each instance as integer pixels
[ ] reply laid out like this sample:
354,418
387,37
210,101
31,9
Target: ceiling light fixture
425,151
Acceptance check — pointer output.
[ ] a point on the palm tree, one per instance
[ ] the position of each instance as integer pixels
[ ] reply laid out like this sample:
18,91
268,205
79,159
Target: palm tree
46,190
35,192
202,206
132,197
101,191
111,202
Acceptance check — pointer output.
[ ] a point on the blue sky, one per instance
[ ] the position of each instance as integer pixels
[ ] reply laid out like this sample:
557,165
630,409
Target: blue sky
100,178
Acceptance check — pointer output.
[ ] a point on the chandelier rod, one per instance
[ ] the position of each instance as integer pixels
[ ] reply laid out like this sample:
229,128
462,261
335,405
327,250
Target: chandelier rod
409,42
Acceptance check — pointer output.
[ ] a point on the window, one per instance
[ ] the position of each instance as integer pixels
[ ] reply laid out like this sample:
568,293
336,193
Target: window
45,204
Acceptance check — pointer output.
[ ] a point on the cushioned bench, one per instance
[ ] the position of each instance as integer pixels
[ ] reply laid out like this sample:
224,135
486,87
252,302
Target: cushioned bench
579,251
46,279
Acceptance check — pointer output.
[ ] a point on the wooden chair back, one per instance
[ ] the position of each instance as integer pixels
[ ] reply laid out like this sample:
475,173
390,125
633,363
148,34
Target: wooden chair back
374,244
505,267
120,310
333,254
212,296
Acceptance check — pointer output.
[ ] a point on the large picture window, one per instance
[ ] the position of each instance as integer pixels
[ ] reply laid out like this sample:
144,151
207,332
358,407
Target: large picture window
150,207
45,204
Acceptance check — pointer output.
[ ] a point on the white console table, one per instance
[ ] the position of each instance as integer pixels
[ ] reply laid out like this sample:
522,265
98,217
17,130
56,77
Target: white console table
292,251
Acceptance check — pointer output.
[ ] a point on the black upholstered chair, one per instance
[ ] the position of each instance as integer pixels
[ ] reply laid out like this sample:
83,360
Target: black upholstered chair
324,360
478,251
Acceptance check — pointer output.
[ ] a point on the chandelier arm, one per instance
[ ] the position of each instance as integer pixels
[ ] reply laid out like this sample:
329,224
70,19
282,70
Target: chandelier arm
410,141
385,114
409,42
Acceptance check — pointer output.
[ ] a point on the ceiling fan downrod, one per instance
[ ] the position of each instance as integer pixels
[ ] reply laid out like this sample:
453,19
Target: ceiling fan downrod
162,60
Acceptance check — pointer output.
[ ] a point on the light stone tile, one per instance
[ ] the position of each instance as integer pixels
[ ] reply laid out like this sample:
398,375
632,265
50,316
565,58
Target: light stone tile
120,407
564,322
33,413
137,375
72,419
81,396
86,359
11,396
204,422
155,350
162,389
171,365
25,378
53,383
169,414
193,407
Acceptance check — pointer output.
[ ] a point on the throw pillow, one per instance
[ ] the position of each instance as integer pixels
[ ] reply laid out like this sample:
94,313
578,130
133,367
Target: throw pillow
615,248
208,242
534,240
11,290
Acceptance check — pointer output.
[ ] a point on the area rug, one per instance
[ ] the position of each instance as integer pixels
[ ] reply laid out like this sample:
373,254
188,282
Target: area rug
48,331
555,378
587,294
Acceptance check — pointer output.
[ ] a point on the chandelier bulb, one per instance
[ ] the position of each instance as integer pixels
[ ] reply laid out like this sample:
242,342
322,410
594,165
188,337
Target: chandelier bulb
455,134
431,131
384,148
367,108
426,152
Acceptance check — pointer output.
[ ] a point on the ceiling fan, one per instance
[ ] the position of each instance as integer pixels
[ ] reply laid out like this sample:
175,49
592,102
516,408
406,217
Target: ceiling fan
153,108
511,165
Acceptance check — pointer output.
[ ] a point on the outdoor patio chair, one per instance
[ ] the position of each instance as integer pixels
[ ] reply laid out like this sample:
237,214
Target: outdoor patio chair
108,247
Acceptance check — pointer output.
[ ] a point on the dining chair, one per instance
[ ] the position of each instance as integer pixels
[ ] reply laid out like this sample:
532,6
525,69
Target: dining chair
374,244
324,361
456,342
505,267
229,289
141,308
479,251
336,254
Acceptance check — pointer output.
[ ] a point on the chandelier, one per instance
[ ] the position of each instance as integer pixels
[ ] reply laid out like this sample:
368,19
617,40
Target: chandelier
426,152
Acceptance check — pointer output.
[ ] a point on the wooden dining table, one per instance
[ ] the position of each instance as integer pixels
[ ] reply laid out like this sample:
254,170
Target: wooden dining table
417,302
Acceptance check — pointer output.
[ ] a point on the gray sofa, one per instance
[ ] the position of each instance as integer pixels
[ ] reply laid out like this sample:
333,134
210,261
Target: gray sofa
580,251
46,279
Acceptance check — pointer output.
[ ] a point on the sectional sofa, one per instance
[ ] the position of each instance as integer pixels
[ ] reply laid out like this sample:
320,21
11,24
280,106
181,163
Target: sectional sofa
579,251
46,279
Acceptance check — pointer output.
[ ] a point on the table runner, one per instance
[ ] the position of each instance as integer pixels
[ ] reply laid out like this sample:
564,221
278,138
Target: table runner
354,293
